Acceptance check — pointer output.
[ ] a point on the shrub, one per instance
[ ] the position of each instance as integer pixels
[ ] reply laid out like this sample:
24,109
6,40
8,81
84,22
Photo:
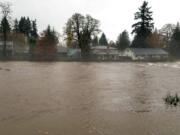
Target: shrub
172,99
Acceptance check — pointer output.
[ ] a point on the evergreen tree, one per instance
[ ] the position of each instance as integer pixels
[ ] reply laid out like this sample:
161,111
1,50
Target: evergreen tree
123,41
5,26
176,34
48,31
25,26
16,26
22,25
143,28
0,32
95,41
28,27
33,38
55,36
34,31
5,30
51,33
103,40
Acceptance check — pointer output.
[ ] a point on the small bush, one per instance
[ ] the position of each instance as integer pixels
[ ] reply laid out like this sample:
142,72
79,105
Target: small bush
172,99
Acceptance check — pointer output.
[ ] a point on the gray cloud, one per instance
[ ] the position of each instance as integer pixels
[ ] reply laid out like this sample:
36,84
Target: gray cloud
115,15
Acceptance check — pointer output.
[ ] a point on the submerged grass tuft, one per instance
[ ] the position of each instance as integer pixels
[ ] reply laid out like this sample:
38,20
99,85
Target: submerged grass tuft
172,99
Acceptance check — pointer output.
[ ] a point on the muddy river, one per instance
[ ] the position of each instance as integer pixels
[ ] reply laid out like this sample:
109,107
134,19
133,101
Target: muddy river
88,98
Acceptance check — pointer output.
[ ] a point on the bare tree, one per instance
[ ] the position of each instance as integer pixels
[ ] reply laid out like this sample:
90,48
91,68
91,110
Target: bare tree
83,28
166,33
5,10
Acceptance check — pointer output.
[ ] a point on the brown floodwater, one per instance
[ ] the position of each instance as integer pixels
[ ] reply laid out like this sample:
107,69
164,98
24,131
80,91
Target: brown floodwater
59,98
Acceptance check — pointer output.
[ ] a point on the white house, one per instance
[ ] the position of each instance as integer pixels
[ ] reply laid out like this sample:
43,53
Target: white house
74,53
9,47
62,51
147,54
105,52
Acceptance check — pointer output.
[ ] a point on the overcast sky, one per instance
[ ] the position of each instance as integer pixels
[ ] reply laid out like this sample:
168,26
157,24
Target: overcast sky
114,15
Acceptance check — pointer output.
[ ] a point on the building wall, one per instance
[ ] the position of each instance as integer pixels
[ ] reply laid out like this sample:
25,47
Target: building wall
9,48
20,43
146,56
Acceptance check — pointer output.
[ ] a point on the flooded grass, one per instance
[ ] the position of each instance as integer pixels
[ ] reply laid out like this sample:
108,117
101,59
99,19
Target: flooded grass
172,99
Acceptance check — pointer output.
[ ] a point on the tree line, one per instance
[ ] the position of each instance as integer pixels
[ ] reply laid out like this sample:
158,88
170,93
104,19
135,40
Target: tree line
145,34
41,45
82,32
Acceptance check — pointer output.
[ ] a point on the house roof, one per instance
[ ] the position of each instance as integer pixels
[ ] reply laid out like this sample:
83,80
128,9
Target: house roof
148,51
102,48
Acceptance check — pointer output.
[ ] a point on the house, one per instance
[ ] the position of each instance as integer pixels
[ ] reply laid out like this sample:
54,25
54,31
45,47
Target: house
74,53
147,53
17,44
21,45
62,51
105,53
68,52
9,47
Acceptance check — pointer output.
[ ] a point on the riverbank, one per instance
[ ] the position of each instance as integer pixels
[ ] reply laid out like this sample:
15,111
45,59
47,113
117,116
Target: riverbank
69,59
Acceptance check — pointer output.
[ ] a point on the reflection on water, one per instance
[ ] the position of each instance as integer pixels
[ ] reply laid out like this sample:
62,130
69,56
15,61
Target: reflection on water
88,98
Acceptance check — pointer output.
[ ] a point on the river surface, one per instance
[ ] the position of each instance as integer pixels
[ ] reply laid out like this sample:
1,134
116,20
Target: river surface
61,98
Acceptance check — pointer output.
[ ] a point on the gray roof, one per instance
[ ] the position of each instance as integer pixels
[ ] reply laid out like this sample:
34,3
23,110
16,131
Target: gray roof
100,47
148,51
